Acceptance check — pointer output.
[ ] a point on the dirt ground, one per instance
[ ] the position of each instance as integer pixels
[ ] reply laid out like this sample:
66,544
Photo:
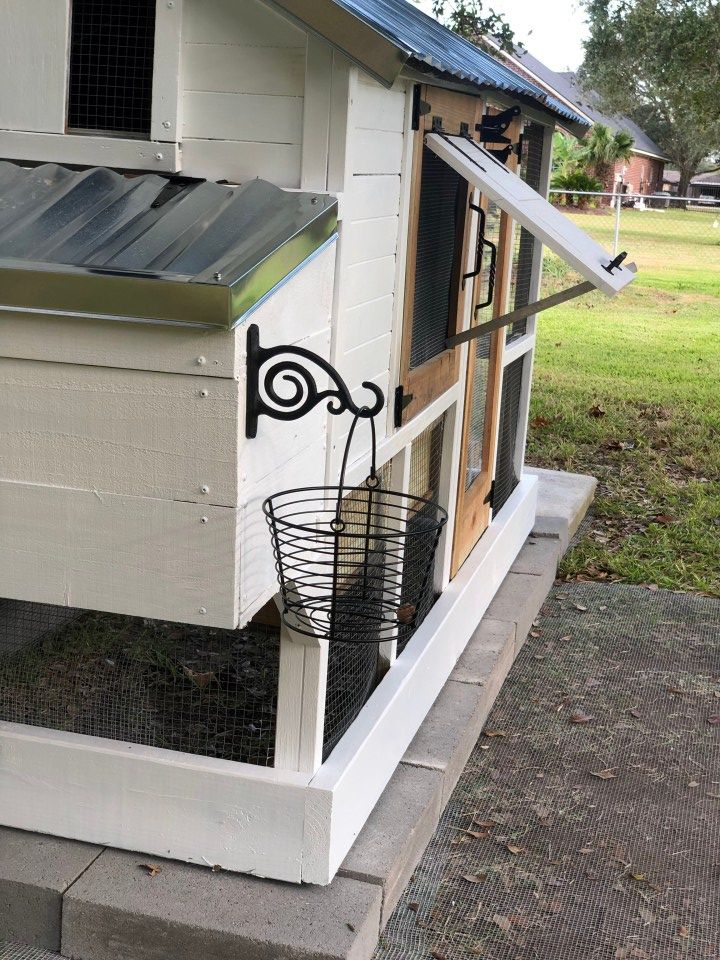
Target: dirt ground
587,821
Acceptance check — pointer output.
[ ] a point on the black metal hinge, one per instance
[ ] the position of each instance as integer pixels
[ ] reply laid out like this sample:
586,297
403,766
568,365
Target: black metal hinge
402,401
490,498
419,107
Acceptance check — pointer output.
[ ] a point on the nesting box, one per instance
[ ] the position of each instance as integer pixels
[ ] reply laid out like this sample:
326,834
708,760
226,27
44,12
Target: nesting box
185,196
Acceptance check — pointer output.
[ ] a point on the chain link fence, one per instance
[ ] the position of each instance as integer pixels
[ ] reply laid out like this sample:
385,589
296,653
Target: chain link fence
663,234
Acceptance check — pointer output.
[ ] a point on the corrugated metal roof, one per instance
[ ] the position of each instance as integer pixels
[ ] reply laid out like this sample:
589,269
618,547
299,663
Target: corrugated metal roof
434,46
190,232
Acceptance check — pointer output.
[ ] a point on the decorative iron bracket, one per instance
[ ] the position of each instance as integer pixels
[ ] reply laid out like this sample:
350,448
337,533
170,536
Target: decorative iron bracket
492,130
303,390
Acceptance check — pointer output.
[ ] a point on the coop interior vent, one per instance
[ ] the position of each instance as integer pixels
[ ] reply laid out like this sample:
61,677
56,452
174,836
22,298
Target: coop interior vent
111,66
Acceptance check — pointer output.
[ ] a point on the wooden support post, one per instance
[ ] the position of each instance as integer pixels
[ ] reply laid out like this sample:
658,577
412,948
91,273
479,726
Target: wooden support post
302,687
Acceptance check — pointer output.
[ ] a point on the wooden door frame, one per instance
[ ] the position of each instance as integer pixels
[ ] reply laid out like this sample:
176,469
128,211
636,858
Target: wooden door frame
434,377
472,507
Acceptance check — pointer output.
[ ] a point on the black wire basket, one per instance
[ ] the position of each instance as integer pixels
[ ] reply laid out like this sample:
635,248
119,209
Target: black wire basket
355,564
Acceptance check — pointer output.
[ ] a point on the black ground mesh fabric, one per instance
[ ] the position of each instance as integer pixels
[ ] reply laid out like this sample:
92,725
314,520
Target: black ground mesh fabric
21,951
585,824
506,478
425,465
111,65
193,689
443,193
526,247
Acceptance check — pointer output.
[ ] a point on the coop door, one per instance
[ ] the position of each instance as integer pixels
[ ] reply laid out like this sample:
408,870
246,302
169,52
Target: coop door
438,240
484,375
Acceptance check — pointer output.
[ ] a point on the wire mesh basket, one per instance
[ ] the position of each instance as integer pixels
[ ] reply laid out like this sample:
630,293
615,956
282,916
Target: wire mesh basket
355,564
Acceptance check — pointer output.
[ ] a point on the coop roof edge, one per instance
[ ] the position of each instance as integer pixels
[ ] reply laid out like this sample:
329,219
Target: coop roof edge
387,37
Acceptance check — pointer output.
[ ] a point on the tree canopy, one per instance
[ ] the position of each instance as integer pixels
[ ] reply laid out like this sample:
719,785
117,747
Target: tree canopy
657,61
475,21
601,150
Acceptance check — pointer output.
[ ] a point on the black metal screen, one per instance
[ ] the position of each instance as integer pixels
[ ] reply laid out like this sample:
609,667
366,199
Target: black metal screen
425,465
192,689
111,66
441,214
526,246
506,478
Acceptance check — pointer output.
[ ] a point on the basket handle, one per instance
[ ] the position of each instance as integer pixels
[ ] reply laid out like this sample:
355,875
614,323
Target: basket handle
337,525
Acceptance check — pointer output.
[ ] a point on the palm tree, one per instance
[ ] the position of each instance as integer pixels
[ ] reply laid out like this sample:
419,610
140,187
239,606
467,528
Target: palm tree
602,150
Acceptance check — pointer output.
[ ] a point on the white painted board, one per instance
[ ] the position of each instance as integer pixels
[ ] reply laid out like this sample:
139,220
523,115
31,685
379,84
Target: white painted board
532,211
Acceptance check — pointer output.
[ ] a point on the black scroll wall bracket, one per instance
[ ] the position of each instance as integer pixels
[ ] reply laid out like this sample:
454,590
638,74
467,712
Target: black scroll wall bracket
266,379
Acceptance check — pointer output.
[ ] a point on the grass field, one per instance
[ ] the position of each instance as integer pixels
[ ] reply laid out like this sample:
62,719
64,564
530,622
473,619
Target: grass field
629,390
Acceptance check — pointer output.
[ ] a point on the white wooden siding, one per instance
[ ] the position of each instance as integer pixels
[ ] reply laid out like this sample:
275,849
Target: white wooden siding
33,54
133,555
243,80
119,431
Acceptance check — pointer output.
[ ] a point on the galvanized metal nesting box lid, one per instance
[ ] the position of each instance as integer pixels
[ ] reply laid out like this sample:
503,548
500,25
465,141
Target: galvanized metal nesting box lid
149,248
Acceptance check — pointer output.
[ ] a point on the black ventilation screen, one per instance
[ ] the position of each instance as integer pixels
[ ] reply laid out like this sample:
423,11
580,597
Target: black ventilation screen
506,478
441,216
526,246
111,66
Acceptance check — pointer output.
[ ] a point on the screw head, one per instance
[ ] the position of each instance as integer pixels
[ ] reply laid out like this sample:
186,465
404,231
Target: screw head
201,361
203,519
158,156
314,200
166,124
204,393
217,276
202,609
205,488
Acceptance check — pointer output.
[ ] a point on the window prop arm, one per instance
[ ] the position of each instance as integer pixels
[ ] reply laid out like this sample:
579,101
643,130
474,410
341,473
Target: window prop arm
522,313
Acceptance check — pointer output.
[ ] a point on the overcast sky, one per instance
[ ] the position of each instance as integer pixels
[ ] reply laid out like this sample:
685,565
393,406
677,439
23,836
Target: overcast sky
552,30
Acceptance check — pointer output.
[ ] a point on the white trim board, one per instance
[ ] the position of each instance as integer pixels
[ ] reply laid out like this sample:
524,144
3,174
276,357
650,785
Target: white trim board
532,211
270,822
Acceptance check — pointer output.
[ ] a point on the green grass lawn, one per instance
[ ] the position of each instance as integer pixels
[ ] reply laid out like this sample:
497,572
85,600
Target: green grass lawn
629,390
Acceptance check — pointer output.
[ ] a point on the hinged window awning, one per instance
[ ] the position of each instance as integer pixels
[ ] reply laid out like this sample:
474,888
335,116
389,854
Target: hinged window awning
533,212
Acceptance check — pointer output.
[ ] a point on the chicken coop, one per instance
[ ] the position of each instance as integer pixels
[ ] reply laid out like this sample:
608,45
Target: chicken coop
269,278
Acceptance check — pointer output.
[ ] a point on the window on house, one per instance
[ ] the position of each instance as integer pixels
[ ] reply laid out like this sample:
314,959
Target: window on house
112,46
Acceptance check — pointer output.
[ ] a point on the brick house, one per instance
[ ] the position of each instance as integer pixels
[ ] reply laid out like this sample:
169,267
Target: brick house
643,173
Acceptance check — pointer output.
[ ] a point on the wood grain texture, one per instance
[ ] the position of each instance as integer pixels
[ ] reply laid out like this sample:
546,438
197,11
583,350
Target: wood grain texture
119,431
132,555
158,802
33,53
111,343
240,161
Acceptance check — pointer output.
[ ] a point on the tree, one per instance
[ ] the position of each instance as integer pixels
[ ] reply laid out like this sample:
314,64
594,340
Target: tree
657,61
567,156
602,149
472,20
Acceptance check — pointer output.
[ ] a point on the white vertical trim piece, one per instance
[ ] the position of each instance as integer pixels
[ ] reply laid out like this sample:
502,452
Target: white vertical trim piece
316,114
166,122
447,494
400,481
343,80
543,190
401,253
517,348
302,688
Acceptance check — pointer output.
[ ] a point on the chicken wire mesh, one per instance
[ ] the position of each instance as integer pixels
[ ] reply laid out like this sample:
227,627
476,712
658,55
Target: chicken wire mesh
10,950
526,249
111,65
179,687
506,464
585,822
424,482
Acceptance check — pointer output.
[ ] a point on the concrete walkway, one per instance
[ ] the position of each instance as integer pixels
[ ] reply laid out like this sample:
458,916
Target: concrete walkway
94,903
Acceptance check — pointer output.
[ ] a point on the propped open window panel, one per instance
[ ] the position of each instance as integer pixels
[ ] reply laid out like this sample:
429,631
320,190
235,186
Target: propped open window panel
532,211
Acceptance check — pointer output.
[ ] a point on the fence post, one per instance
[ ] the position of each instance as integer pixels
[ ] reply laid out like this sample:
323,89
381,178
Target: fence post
616,239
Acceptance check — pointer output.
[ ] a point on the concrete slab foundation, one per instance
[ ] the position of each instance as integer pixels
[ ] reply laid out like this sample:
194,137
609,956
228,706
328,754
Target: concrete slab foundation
94,904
